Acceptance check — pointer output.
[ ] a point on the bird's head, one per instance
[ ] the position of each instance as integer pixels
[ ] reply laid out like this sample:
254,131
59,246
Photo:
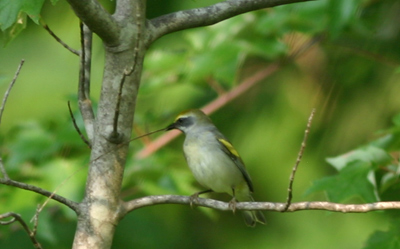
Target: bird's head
190,120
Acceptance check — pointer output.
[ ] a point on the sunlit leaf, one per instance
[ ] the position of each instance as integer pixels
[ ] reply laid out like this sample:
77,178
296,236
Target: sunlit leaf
15,29
368,154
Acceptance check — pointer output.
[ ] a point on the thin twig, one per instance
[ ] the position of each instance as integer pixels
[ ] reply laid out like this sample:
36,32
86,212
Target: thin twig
76,126
127,142
300,155
222,100
35,220
2,169
9,88
17,217
44,25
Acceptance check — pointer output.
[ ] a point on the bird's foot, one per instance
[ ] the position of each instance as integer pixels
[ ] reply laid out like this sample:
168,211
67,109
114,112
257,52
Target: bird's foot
195,197
232,204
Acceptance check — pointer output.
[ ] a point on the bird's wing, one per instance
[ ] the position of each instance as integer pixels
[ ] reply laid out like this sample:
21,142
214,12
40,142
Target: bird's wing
228,148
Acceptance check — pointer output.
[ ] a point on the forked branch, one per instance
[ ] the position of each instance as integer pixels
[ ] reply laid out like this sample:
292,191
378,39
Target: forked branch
17,218
97,19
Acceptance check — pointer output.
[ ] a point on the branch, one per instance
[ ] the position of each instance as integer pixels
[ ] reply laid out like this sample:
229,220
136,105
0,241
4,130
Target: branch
300,155
17,217
205,16
267,206
71,204
97,19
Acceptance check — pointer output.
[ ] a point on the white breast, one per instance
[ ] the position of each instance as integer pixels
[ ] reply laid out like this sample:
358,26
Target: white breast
211,167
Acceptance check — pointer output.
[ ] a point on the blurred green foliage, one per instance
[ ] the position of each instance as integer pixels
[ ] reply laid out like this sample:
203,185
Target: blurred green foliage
350,75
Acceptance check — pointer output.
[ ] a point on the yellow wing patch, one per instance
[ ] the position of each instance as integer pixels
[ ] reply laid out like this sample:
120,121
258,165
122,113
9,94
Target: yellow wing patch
229,146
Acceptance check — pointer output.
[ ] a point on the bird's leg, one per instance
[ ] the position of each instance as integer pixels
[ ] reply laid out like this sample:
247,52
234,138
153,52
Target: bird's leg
232,203
195,197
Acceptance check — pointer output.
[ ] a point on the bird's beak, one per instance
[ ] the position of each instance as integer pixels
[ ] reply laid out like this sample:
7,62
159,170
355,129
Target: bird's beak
170,127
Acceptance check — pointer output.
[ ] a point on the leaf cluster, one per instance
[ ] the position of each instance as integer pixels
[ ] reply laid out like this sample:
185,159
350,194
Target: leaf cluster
370,173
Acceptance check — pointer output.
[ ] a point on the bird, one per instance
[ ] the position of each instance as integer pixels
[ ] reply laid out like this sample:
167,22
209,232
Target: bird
214,162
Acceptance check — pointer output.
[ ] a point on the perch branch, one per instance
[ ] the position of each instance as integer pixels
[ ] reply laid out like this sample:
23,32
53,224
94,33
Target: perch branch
267,206
16,217
205,16
300,155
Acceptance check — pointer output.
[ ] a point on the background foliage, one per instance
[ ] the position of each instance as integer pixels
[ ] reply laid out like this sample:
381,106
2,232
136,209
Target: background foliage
350,75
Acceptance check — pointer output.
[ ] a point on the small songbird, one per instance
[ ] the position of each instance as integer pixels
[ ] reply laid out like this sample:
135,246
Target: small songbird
214,162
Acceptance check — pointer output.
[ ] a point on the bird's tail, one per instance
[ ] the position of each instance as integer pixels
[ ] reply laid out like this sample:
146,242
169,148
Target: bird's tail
252,217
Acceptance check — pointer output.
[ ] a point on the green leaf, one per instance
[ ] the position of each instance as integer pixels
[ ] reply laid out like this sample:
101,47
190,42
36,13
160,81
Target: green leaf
13,16
389,239
33,8
389,180
10,10
32,143
352,181
390,142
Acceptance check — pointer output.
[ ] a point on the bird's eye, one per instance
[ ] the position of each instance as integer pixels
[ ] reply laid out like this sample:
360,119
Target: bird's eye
180,120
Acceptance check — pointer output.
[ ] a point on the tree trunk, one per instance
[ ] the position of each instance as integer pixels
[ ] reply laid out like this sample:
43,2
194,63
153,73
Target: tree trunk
100,211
